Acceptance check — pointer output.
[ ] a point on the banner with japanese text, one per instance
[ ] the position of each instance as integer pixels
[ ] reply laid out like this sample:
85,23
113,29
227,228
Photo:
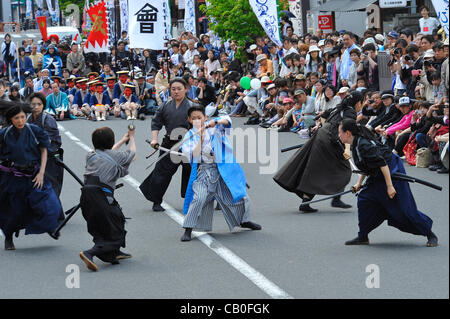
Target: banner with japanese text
42,23
149,24
441,8
189,16
267,14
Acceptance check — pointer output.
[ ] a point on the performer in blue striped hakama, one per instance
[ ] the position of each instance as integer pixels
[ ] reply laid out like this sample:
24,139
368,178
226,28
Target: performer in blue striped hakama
215,174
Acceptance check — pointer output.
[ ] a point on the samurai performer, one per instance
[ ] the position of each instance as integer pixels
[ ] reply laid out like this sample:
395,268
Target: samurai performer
129,103
46,122
27,199
104,217
215,174
173,116
119,90
320,166
78,106
382,197
99,103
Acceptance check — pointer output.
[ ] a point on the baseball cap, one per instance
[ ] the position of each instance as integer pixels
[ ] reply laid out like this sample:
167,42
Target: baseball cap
288,100
252,47
393,34
298,92
272,86
300,77
379,37
265,79
321,43
387,94
343,89
404,101
261,57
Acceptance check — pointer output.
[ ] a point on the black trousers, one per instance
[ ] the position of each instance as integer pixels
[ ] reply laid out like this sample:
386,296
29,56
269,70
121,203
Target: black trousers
401,142
155,185
106,253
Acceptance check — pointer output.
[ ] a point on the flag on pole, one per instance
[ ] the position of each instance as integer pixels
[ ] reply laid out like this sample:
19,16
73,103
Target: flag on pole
42,23
267,15
441,8
97,40
86,20
189,16
148,23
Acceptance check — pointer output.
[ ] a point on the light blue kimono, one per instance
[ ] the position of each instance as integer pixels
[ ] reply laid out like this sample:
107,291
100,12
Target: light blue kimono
230,171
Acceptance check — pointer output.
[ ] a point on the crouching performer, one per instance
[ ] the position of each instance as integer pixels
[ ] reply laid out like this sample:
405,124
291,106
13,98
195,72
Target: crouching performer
215,174
383,197
104,217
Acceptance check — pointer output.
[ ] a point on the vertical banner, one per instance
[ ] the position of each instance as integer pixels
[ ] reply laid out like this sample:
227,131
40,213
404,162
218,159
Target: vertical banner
55,16
441,8
97,40
267,14
86,20
295,6
124,15
189,16
42,23
28,13
167,20
146,24
112,38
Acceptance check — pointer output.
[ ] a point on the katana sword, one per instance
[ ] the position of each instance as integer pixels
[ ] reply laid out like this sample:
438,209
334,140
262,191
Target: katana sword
352,190
291,148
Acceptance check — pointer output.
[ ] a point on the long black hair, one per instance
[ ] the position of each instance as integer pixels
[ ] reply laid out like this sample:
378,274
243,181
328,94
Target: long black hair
9,109
351,100
357,129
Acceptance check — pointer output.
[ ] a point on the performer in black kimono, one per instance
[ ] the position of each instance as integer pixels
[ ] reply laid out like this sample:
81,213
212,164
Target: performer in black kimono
27,199
320,166
104,217
382,197
173,115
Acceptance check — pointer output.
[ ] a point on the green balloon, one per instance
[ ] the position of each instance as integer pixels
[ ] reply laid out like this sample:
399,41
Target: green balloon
245,82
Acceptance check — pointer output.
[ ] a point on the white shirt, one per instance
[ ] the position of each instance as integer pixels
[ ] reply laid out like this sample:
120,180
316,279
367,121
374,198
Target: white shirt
428,25
189,57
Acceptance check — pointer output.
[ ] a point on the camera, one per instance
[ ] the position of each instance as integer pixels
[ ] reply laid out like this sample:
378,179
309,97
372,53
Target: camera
408,57
427,63
371,101
398,51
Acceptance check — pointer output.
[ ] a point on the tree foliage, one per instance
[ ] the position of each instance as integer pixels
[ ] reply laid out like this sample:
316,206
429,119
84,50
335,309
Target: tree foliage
235,19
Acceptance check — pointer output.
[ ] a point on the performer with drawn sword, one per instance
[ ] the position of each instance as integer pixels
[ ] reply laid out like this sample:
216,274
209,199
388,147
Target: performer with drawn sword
386,196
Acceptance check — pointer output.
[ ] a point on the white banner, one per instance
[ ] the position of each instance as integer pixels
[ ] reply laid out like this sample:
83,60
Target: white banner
28,10
267,14
189,16
295,6
167,20
146,20
441,8
123,16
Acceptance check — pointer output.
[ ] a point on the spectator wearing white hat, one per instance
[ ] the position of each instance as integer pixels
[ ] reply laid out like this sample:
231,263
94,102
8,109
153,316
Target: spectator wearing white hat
313,59
265,66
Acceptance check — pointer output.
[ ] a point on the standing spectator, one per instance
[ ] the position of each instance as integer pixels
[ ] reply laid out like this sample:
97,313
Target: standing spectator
75,61
25,67
36,56
188,56
346,62
369,67
8,52
427,24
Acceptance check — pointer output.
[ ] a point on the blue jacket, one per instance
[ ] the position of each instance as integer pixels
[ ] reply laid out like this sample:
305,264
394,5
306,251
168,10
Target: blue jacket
26,65
230,171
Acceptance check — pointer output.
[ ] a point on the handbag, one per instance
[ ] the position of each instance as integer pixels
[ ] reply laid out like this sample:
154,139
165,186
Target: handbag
410,150
424,158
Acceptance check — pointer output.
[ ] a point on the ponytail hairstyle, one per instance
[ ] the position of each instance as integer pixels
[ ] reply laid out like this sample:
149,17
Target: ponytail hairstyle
357,129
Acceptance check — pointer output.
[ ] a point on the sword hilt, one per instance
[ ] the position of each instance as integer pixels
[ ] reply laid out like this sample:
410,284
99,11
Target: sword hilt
156,146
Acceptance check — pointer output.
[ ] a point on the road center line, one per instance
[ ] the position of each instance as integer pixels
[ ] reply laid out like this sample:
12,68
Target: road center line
226,254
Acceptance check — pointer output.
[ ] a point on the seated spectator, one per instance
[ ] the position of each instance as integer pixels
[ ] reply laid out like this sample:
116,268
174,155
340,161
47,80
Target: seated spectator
391,133
439,116
46,88
58,103
206,94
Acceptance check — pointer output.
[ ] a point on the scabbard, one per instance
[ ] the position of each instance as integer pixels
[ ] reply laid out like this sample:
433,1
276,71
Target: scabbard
291,148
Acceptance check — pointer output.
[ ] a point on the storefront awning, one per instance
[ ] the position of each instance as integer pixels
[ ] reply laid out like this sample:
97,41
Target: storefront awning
345,5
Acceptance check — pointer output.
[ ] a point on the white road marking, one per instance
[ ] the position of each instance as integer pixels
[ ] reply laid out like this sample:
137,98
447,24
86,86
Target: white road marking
226,254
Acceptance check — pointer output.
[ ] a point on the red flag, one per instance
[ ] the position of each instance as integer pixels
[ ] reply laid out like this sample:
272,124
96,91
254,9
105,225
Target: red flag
97,40
42,23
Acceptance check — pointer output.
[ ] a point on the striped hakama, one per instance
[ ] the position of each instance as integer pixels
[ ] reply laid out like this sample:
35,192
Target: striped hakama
208,186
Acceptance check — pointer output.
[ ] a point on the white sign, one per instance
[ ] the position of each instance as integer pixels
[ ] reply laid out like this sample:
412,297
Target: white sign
189,16
148,23
441,8
392,3
267,14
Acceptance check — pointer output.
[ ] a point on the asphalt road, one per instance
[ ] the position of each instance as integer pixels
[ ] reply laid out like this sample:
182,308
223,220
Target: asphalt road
294,256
